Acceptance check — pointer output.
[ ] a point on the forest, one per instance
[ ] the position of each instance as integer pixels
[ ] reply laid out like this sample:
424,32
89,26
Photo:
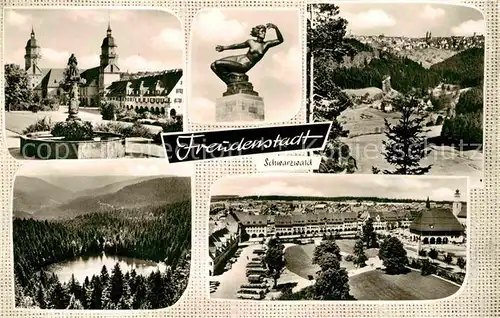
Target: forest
466,126
464,69
157,233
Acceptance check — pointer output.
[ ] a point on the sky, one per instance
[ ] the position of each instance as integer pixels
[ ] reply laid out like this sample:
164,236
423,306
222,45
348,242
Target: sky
412,19
382,186
277,77
117,167
148,40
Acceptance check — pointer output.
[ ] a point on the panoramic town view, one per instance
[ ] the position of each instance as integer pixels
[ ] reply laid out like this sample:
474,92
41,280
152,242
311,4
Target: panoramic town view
101,235
97,88
337,237
389,80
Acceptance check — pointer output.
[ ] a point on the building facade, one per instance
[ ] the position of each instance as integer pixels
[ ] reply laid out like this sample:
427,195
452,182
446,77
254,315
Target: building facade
161,93
157,94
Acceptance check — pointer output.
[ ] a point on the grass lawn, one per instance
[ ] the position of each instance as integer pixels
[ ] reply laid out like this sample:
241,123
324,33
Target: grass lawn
299,260
377,285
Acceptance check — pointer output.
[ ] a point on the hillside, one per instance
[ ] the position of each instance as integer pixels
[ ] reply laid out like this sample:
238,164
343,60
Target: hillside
465,68
32,193
368,68
143,193
111,188
82,183
427,56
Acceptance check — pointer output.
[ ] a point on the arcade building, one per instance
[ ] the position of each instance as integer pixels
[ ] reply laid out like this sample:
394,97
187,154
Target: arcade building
435,226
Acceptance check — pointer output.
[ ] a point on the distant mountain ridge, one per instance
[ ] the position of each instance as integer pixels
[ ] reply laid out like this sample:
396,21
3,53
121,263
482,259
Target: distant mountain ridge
139,192
31,194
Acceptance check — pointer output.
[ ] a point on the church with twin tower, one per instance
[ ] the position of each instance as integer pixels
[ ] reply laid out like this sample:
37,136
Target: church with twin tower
45,81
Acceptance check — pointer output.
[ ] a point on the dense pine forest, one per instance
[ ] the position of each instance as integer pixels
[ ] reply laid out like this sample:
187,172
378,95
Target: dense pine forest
465,69
159,233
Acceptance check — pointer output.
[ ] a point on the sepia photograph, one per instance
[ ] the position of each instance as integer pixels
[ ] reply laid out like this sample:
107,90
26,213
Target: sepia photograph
337,237
111,235
404,91
245,66
88,84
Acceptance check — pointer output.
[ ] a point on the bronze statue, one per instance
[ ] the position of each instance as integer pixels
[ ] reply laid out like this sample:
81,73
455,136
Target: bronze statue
241,64
72,66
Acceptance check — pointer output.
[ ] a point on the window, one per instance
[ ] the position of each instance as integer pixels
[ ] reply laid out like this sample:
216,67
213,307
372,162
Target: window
179,91
178,100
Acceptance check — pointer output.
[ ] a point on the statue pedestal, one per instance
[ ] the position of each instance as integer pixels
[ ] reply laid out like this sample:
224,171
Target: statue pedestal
239,107
73,103
240,102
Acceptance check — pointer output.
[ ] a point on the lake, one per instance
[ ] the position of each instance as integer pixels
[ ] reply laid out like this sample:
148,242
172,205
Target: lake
91,265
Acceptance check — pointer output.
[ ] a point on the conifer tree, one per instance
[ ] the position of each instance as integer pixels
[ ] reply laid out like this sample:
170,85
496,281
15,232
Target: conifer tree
41,298
59,297
405,145
116,282
97,294
359,253
74,287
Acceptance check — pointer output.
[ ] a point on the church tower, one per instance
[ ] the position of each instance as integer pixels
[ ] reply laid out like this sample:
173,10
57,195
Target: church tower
457,203
108,51
31,59
108,68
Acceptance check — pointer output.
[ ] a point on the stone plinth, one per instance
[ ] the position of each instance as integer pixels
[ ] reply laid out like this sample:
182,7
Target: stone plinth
45,146
239,84
239,107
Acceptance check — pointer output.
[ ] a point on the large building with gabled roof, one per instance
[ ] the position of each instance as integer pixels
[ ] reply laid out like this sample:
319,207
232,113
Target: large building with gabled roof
439,225
160,93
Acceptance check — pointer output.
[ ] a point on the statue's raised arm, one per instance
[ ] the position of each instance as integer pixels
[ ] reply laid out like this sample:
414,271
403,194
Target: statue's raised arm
240,64
279,37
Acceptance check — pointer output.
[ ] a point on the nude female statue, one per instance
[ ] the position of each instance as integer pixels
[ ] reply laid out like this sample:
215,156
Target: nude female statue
243,63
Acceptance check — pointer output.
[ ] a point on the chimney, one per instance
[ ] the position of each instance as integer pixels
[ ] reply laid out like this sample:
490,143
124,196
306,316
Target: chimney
457,203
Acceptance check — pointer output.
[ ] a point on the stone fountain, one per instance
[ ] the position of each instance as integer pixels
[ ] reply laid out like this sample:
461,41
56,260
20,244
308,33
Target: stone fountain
61,143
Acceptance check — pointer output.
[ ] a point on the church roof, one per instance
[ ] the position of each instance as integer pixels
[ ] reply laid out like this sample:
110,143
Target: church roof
31,43
51,78
90,75
167,82
108,42
436,220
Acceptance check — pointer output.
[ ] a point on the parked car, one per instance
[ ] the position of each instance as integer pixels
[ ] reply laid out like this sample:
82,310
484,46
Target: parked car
262,286
251,294
255,278
256,271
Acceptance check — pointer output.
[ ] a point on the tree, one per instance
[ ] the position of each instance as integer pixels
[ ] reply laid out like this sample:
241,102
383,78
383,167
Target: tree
426,267
405,145
74,303
448,258
18,92
393,255
461,263
359,253
326,247
369,235
116,281
327,261
326,48
275,259
470,101
432,253
428,203
96,295
41,297
74,287
332,284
